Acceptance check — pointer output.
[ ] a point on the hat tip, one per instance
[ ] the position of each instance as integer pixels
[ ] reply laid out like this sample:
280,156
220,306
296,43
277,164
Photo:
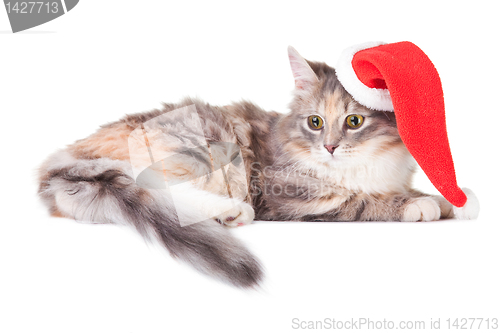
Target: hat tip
470,211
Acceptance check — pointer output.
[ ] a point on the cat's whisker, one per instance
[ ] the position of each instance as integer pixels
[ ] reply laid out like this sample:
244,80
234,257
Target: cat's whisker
293,168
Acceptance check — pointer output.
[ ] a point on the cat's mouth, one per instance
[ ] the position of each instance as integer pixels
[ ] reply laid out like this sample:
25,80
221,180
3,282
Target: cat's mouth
338,156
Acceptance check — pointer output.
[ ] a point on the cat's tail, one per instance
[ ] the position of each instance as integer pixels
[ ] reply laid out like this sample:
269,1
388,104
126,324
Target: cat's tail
103,191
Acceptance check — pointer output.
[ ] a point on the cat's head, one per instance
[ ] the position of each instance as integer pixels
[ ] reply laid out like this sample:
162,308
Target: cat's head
328,127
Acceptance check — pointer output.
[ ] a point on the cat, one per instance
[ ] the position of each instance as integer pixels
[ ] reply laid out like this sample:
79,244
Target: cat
328,159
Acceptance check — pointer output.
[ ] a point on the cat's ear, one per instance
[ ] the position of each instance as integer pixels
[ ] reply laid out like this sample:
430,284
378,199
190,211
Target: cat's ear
303,74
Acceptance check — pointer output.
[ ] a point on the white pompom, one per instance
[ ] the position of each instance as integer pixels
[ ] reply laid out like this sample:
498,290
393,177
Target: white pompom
470,210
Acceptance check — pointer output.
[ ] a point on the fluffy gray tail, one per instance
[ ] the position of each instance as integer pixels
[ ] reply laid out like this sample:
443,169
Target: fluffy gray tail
98,193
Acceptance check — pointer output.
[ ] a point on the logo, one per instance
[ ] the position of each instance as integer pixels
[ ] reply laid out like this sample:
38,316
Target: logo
28,14
152,155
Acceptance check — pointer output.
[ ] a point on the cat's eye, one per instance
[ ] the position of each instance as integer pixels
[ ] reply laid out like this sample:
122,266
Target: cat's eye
315,122
354,121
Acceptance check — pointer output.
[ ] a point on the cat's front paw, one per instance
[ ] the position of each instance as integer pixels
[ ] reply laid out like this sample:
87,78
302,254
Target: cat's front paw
422,209
237,216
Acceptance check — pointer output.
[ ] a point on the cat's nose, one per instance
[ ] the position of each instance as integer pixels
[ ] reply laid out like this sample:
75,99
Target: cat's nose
330,148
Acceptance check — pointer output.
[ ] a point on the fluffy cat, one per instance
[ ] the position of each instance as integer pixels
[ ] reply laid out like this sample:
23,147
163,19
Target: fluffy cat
328,159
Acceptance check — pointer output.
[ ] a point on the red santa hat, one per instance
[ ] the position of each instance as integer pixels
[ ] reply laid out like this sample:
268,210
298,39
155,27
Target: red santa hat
400,77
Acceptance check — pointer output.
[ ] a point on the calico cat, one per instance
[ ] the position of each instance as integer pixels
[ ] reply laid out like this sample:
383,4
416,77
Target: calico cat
328,159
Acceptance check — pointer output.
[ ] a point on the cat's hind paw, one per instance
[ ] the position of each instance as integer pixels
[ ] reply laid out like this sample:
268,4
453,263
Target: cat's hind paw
422,209
239,215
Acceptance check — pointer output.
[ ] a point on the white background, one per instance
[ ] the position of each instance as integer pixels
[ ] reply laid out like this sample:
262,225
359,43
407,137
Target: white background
61,80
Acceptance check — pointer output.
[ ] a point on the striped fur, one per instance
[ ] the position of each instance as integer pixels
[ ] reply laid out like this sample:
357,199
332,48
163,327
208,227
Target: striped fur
281,171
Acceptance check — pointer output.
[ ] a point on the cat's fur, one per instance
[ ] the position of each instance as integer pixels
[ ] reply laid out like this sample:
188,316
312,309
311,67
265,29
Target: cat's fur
288,174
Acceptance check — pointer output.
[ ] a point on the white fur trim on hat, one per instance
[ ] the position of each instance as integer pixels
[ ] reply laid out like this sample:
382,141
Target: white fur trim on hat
470,210
377,99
